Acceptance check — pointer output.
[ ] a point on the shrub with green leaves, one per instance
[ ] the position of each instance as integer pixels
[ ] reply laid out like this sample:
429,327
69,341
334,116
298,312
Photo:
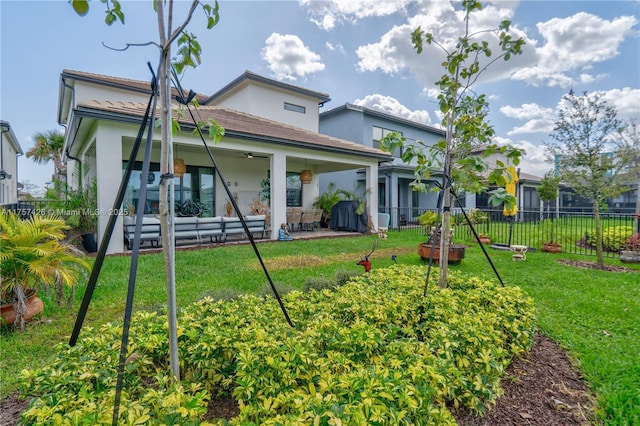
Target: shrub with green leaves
373,351
613,237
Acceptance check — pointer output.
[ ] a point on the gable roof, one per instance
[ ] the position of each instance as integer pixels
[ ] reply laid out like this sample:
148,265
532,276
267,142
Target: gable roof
379,114
247,76
5,127
236,124
66,91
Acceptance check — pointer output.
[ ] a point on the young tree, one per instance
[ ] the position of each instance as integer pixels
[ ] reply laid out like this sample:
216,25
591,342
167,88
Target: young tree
188,55
548,189
584,152
464,115
628,146
48,147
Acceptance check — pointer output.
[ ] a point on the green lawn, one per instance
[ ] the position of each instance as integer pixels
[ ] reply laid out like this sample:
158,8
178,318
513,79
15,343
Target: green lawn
596,315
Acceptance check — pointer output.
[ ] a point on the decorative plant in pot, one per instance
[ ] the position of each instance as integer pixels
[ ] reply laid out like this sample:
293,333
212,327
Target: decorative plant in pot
630,252
549,230
431,248
328,199
191,208
32,254
82,204
548,192
484,238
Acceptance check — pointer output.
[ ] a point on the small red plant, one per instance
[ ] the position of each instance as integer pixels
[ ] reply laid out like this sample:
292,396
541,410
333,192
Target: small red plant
633,243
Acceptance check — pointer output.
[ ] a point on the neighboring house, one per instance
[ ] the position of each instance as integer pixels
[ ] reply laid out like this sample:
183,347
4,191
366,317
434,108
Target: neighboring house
9,151
366,126
270,132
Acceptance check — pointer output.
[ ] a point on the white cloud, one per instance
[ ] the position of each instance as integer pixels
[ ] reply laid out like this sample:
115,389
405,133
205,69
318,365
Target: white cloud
392,106
289,58
394,51
626,101
335,47
534,161
540,119
328,14
538,125
573,45
526,111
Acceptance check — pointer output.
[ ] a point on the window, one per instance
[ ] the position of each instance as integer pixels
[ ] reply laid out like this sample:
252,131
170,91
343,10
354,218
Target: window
379,133
382,195
294,108
197,184
294,190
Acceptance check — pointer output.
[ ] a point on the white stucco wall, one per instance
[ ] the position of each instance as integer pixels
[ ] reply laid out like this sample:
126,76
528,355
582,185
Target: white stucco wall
268,102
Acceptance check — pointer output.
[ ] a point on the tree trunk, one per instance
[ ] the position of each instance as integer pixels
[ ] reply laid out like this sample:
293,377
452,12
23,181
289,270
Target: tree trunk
446,217
636,221
166,168
598,224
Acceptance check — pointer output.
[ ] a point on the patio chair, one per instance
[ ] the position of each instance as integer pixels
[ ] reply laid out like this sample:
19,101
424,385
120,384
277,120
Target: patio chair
294,217
317,217
307,220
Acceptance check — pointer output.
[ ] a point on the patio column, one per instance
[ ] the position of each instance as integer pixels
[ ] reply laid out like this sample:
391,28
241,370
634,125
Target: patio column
372,195
393,200
278,204
108,173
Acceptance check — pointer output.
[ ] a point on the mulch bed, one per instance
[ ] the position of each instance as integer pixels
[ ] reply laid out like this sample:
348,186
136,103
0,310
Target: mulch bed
593,265
542,388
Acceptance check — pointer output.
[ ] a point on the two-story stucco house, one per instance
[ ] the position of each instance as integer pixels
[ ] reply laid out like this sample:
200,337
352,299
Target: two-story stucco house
10,150
271,130
367,127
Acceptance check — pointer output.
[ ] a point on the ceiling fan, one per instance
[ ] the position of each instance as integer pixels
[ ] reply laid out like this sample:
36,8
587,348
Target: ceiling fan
251,155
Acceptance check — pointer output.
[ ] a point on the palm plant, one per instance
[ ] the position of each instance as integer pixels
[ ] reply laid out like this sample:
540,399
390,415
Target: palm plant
32,254
329,198
48,147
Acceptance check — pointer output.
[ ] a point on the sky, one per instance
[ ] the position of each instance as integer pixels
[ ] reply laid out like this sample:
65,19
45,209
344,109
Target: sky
357,51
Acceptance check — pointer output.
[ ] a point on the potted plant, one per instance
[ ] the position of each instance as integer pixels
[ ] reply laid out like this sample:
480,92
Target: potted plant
327,200
82,205
32,254
431,248
191,208
630,252
483,238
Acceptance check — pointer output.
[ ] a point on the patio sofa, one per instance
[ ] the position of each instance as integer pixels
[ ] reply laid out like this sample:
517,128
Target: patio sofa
216,229
150,230
255,224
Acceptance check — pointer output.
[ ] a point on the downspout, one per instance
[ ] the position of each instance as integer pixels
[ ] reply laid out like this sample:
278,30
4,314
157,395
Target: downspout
66,151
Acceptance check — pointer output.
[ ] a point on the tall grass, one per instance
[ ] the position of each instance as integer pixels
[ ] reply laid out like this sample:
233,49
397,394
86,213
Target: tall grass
594,314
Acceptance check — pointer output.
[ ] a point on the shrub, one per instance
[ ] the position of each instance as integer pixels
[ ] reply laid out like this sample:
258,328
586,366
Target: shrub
613,237
373,351
318,284
344,277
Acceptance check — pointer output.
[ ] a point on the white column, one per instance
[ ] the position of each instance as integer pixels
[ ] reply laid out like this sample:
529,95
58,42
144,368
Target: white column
278,192
372,194
109,175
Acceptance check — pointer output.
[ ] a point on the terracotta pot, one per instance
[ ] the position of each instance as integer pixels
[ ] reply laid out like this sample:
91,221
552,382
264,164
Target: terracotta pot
456,252
34,307
484,240
552,248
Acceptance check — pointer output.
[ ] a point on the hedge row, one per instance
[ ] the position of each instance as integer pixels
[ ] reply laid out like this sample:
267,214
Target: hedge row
374,351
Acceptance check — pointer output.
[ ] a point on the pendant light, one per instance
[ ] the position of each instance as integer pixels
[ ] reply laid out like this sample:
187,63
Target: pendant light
305,174
179,166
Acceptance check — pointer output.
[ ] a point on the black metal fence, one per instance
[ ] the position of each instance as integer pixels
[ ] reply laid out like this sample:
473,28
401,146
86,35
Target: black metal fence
574,231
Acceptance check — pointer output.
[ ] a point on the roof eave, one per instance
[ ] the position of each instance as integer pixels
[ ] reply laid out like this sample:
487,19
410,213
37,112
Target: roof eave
247,75
96,114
